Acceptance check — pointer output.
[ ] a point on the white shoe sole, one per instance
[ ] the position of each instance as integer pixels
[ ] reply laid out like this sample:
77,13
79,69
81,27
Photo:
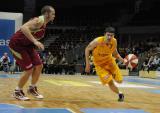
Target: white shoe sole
22,99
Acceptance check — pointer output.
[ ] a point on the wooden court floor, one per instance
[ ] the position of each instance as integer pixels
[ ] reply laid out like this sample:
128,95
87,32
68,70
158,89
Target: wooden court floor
80,91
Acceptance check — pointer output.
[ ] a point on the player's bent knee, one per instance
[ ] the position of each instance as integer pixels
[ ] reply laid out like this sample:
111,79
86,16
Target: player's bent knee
39,66
111,83
29,71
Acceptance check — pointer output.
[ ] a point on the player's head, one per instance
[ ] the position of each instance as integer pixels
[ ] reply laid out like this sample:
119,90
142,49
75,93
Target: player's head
48,12
109,33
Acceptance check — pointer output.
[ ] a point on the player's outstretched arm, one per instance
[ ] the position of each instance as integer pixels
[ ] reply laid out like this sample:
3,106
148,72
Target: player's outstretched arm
89,48
118,56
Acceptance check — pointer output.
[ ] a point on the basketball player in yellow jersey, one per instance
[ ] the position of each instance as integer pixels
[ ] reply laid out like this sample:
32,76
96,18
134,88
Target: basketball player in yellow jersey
104,50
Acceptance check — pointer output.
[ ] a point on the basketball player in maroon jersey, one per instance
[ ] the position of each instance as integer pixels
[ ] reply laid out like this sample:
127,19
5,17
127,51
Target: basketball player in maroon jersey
22,45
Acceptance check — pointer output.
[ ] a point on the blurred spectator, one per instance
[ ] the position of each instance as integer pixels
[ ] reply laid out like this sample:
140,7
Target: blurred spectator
44,60
145,66
5,60
154,64
49,59
63,65
13,67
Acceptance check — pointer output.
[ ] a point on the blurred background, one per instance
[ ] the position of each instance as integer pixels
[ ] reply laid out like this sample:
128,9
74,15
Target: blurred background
78,22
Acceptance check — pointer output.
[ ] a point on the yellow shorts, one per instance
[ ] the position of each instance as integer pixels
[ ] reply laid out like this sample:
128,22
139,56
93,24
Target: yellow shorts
108,72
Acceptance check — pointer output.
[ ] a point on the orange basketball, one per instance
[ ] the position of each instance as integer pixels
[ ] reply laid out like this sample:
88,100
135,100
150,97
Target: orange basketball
132,61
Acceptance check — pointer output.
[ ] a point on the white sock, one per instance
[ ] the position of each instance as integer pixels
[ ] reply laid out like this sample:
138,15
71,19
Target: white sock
120,92
18,88
33,85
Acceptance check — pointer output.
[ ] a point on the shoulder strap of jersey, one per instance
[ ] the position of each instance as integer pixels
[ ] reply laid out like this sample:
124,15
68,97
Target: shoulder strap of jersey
41,18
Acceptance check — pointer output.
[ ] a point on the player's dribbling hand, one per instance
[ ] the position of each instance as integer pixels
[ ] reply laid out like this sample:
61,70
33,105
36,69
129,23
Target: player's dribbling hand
39,45
87,69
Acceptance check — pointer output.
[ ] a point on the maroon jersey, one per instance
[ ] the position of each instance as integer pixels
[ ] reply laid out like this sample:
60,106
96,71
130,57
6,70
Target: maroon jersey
23,49
20,39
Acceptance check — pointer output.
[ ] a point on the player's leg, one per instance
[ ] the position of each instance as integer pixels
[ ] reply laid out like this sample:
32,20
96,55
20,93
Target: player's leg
117,76
38,66
104,75
24,61
24,78
115,89
18,92
106,78
36,74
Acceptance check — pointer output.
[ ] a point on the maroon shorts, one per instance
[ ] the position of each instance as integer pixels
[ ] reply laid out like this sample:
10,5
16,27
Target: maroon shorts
26,57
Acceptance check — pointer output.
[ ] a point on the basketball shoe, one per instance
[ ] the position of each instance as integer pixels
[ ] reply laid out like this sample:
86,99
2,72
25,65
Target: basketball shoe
19,94
34,92
121,97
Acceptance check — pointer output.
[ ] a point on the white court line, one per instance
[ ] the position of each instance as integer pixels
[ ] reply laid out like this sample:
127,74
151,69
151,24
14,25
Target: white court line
126,85
70,110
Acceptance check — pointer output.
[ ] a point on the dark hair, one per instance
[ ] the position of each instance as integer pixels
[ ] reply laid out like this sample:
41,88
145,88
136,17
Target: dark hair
46,8
110,30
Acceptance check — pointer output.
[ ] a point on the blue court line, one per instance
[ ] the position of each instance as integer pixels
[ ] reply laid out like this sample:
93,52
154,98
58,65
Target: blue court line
9,75
144,81
35,110
153,91
11,108
103,110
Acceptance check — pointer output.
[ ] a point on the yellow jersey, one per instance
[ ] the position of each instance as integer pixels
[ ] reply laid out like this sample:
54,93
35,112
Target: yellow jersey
102,53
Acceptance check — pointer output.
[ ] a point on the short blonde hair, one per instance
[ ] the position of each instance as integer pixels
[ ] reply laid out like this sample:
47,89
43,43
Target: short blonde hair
46,8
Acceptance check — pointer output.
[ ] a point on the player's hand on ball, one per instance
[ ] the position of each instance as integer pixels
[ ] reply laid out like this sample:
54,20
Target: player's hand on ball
87,69
39,45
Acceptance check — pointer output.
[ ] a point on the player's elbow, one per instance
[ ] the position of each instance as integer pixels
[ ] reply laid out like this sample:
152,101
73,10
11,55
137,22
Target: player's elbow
87,50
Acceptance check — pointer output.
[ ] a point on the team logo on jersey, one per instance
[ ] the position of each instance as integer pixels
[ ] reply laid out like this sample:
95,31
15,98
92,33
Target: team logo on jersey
103,54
